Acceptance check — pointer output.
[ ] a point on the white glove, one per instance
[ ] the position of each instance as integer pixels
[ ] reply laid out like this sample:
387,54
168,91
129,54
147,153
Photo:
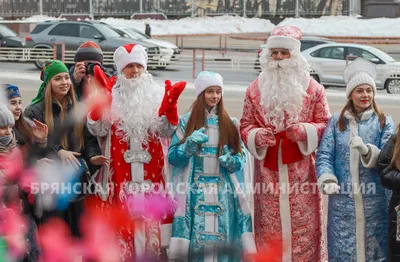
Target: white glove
331,188
357,143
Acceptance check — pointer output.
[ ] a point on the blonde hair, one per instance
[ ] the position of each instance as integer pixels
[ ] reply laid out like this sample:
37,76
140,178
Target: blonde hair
49,117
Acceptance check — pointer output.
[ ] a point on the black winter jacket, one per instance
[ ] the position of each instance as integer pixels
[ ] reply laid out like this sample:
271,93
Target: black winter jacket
91,147
390,179
74,211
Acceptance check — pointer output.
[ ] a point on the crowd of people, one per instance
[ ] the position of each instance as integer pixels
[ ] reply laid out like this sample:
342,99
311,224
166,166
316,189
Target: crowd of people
101,168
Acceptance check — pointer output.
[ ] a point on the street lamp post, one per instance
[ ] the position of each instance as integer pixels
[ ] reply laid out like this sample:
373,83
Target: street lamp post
40,7
91,9
297,9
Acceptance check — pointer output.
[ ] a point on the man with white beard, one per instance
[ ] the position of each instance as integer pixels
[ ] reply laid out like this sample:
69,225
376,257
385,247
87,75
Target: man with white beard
141,115
284,115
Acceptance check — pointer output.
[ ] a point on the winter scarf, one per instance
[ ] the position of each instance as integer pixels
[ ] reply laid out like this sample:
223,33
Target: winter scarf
7,142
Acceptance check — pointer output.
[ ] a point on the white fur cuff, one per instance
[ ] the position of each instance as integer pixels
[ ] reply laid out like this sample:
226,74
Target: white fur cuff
325,177
370,162
258,153
308,147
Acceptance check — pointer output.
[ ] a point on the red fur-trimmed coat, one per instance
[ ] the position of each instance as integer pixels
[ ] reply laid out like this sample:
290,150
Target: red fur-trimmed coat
135,239
295,218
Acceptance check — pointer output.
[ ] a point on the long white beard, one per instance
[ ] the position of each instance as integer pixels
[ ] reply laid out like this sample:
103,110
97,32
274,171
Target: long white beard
283,86
135,107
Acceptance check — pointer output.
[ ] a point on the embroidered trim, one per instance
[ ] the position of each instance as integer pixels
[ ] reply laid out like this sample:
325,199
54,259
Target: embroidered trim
212,122
131,156
212,126
204,179
209,238
208,151
134,187
209,208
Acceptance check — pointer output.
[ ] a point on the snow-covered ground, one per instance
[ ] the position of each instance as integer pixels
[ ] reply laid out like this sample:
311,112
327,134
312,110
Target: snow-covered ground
199,25
347,26
324,26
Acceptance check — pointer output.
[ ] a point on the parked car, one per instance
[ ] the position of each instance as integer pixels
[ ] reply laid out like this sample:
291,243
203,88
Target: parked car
329,60
9,38
169,52
306,43
74,33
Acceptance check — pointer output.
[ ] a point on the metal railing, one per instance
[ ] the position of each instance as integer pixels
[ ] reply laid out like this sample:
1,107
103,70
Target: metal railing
193,60
25,54
196,60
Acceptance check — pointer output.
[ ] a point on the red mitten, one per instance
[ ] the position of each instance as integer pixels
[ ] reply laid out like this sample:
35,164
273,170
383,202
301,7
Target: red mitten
169,103
264,138
103,99
95,114
100,104
102,80
296,133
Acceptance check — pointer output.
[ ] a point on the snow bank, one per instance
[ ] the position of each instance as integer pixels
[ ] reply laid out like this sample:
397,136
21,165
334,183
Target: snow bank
198,25
347,26
324,26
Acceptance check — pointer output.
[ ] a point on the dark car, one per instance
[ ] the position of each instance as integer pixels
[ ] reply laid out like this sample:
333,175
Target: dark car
9,38
306,43
74,33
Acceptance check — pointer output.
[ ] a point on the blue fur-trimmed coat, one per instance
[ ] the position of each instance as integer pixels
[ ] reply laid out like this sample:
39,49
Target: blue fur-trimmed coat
213,209
357,220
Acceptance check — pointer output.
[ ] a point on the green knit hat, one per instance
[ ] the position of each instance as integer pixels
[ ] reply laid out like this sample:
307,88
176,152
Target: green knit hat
52,68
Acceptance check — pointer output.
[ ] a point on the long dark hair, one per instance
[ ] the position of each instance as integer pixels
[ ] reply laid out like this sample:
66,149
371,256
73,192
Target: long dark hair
349,106
228,133
22,126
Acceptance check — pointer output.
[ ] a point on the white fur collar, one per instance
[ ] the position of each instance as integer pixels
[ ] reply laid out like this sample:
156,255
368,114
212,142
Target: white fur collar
365,115
213,112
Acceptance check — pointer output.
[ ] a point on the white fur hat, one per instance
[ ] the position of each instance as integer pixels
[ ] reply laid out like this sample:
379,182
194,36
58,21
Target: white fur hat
131,53
206,79
6,117
359,72
287,37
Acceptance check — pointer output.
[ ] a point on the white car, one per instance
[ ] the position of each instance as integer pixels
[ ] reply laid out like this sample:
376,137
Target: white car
328,62
169,52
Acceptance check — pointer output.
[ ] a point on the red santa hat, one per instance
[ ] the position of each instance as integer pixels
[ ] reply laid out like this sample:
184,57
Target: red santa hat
287,37
131,53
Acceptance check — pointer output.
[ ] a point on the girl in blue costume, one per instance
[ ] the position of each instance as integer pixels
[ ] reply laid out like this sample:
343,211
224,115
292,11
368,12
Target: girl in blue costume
358,204
208,157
